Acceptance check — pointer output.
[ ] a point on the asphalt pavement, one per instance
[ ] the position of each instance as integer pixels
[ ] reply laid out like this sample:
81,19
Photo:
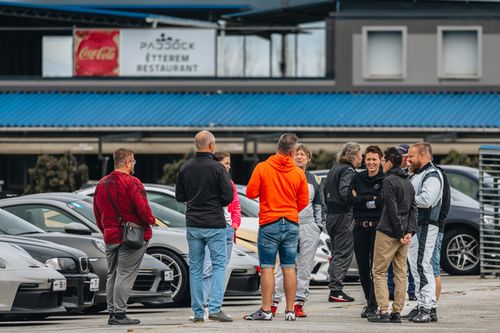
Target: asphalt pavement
468,304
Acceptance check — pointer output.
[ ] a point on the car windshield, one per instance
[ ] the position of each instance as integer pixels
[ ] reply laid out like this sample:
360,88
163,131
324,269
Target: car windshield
15,226
83,207
168,216
249,207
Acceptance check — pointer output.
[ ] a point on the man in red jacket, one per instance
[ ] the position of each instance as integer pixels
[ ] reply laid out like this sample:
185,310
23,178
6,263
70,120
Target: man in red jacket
129,197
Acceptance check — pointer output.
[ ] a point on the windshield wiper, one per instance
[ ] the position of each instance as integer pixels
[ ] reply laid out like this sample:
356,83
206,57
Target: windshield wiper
28,233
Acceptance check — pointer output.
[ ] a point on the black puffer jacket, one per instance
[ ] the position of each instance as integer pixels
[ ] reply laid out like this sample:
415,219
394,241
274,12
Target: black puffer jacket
399,215
205,186
367,189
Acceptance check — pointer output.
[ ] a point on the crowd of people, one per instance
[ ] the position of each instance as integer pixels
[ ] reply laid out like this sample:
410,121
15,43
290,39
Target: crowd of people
389,215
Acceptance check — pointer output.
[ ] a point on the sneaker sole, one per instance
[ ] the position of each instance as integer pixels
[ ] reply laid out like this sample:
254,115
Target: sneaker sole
338,300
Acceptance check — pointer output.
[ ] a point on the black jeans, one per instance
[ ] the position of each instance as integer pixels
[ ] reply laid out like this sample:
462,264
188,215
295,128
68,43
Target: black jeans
364,242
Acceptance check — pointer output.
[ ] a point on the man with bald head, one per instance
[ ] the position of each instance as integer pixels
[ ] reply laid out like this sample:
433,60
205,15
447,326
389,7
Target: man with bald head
428,183
204,184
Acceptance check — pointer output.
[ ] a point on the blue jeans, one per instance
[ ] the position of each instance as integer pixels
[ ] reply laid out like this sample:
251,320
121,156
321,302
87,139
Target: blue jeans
390,281
215,239
207,264
436,256
280,237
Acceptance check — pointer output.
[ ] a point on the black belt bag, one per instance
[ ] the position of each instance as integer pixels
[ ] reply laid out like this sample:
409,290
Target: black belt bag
133,234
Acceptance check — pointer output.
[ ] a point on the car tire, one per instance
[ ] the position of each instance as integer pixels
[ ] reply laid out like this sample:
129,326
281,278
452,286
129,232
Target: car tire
180,284
460,252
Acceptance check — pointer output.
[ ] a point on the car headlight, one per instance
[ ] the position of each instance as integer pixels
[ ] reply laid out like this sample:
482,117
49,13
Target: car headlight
488,219
99,244
61,264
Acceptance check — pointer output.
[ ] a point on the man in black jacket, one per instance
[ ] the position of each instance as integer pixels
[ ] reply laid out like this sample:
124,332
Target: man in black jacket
205,186
398,223
339,220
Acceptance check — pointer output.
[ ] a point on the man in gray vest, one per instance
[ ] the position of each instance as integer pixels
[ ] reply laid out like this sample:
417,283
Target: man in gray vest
427,181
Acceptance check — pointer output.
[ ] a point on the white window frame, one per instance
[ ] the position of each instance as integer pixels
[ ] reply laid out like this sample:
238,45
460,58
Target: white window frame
364,50
465,28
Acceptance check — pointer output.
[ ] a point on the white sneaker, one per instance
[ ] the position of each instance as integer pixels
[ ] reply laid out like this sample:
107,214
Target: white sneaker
290,316
205,315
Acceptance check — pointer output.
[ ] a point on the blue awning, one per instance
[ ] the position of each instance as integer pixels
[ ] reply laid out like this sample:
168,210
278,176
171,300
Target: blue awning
247,110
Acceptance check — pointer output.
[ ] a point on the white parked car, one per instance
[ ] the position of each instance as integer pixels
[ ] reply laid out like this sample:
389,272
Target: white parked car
27,287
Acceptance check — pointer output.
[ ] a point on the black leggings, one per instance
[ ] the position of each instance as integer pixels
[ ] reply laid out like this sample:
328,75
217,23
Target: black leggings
364,241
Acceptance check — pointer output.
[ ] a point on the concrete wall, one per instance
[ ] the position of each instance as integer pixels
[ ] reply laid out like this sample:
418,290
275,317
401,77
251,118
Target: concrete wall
422,55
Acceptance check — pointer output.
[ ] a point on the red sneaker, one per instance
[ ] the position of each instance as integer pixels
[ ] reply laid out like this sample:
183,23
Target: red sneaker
299,311
274,308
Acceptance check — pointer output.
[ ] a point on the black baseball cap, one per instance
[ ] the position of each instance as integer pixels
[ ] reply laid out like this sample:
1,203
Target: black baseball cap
403,149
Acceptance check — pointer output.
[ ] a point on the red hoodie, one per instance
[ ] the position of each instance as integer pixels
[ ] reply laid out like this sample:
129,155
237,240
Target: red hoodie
129,197
281,187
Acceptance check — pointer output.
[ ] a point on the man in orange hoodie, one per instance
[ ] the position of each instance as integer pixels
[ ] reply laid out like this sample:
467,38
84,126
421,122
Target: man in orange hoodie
282,190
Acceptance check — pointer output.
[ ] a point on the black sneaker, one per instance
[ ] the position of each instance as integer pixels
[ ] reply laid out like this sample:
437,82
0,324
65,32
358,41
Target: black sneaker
411,314
380,318
369,311
412,297
339,296
123,319
395,317
111,318
434,316
259,315
423,316
220,316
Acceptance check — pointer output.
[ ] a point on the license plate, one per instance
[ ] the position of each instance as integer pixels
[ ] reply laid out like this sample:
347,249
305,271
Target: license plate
168,275
94,284
59,285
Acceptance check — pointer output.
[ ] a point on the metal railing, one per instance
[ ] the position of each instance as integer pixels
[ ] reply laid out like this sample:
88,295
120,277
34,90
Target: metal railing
489,199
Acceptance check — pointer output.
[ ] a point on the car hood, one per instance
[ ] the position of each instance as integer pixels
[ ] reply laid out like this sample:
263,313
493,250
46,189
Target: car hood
50,248
82,243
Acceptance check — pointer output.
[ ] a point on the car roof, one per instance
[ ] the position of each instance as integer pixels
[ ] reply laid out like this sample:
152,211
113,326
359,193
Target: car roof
463,168
64,197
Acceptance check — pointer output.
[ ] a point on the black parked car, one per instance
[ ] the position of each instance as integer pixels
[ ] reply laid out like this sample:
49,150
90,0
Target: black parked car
153,281
466,180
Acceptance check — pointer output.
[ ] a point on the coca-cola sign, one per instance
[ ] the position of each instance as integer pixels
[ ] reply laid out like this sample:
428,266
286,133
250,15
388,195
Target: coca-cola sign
97,52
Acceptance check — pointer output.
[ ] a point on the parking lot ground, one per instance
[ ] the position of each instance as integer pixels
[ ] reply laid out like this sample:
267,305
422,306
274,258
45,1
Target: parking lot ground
468,304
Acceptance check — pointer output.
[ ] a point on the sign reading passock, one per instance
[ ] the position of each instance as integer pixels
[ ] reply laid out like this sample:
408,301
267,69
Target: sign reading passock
167,52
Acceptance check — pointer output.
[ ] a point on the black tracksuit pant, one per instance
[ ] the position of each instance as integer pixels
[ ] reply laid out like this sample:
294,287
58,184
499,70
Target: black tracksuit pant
364,242
339,227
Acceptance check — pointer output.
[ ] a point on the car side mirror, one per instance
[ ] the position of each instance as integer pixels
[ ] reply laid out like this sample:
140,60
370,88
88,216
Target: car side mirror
77,228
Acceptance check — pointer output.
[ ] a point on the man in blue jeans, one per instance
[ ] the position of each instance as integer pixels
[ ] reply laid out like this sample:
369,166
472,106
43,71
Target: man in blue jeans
282,189
204,184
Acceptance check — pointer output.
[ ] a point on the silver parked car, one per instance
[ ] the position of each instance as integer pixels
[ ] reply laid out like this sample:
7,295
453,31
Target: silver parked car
27,287
167,245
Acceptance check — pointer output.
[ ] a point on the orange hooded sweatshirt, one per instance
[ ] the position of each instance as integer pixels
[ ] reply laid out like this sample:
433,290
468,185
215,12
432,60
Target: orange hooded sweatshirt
281,187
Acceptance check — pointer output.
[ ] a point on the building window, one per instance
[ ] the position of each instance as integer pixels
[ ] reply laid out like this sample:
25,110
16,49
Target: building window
459,52
384,53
